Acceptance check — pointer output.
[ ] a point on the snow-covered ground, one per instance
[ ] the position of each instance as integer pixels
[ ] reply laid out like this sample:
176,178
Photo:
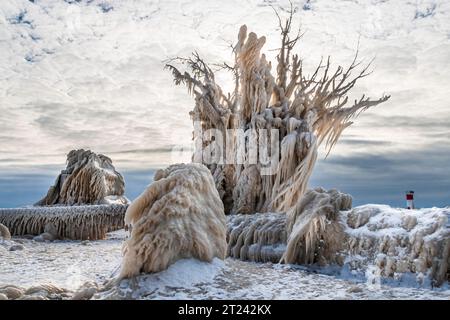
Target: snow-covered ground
69,264
66,264
234,279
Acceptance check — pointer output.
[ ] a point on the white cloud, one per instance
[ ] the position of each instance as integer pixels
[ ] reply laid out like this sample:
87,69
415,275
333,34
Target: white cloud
77,75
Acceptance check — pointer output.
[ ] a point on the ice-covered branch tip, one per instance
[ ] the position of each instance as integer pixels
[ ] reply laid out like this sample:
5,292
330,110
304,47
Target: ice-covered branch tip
306,109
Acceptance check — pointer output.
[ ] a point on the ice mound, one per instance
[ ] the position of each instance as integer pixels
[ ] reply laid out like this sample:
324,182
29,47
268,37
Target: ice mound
398,241
89,178
376,240
180,215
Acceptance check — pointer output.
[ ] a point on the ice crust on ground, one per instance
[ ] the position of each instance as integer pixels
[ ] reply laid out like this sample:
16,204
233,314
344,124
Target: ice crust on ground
70,264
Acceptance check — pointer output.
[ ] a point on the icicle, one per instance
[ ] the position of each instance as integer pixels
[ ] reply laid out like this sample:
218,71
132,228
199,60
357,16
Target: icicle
258,237
315,233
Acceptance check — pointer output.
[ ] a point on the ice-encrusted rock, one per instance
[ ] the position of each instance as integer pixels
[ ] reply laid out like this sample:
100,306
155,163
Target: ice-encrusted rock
315,234
378,240
399,241
86,202
85,292
16,247
89,178
11,292
180,215
4,232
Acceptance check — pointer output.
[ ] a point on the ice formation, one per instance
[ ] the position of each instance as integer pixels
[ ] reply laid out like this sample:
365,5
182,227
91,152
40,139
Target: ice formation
4,232
65,222
306,110
398,241
257,237
86,202
86,291
89,178
180,215
315,234
308,233
320,230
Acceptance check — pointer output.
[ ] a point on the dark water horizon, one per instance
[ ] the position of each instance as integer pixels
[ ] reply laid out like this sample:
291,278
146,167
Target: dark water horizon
24,188
18,189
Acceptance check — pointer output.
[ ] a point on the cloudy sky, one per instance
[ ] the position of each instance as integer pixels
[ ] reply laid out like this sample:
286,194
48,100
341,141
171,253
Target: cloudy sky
89,74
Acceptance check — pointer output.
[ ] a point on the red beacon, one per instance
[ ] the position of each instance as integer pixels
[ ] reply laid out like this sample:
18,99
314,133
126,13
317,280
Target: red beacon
410,200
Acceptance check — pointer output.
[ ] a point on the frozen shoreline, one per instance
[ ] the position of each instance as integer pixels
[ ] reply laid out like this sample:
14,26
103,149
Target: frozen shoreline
69,264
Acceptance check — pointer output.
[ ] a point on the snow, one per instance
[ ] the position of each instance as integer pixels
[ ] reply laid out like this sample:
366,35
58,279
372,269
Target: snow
184,274
70,264
386,220
248,280
67,264
397,245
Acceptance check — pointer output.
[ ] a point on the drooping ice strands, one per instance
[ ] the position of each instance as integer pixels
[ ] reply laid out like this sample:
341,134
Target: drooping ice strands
65,222
89,178
180,215
323,230
304,110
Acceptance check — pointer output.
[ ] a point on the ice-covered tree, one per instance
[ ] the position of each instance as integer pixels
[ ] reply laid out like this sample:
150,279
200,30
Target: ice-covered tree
306,109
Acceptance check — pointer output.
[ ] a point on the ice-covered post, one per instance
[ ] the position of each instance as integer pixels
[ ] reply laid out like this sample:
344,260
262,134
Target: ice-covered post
409,199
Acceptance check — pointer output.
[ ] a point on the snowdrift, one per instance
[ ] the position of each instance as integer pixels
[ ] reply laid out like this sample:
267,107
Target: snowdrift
65,222
390,242
184,275
180,215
